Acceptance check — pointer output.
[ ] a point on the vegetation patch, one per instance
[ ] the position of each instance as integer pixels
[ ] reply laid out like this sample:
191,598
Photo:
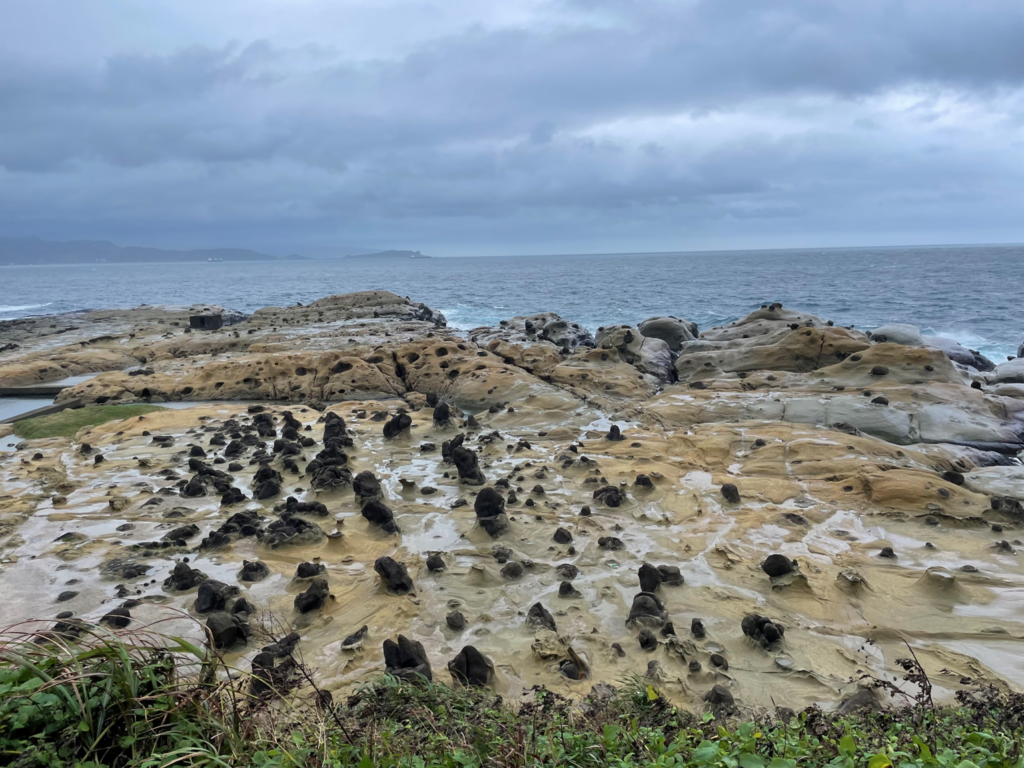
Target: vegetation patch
67,423
79,696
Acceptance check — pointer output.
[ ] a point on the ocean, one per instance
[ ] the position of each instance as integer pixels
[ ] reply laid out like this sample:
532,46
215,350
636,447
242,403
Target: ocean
974,294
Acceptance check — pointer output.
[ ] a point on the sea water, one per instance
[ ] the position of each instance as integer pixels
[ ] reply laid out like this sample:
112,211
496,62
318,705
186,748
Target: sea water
973,294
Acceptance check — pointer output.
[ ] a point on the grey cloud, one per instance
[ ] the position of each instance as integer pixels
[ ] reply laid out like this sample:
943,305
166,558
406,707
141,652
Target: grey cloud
621,121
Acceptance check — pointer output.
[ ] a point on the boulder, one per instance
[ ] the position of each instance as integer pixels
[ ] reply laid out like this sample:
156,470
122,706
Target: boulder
1011,372
610,495
544,327
959,354
719,699
671,330
399,423
253,570
366,485
314,597
309,570
184,577
539,616
213,596
647,609
470,667
777,565
650,578
393,575
406,659
381,515
490,511
468,464
898,333
227,629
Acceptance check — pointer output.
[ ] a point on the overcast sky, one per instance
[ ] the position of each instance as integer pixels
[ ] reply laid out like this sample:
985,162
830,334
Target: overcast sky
463,127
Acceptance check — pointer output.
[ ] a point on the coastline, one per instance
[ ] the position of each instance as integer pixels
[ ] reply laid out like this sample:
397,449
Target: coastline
766,465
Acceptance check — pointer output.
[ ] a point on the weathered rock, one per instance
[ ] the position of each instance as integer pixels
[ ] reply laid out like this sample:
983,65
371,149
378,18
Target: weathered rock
562,536
117,617
650,578
610,495
381,515
310,570
406,659
512,570
393,575
720,700
399,423
731,493
671,330
355,640
490,511
213,596
253,570
314,597
777,565
470,667
898,333
539,616
647,609
227,629
184,577
468,464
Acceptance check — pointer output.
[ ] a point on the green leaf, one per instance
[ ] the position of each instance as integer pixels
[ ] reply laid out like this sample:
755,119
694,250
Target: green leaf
847,744
879,761
705,753
748,760
923,750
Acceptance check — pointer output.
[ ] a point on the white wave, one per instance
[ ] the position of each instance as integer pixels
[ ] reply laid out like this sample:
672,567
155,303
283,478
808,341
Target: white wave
5,308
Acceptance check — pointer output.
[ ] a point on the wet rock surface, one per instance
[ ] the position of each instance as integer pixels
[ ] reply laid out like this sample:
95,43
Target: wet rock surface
709,508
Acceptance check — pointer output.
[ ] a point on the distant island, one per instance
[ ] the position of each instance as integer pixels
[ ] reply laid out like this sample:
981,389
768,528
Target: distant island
21,251
389,255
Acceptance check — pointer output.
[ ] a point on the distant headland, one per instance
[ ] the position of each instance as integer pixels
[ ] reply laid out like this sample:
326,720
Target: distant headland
389,255
32,250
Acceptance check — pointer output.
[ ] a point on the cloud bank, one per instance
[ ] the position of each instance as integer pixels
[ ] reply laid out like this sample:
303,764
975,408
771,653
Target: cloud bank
536,126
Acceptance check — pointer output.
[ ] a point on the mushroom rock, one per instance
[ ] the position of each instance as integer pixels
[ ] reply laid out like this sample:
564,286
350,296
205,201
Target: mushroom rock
610,495
253,570
490,511
442,414
406,659
470,667
720,699
647,609
380,514
468,464
539,616
650,578
731,493
394,575
777,565
366,485
314,597
399,423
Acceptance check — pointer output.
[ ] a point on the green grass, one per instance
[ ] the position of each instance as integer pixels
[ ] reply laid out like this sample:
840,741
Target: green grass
67,423
142,700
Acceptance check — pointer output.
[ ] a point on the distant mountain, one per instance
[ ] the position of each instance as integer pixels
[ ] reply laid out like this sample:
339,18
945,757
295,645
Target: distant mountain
32,250
388,255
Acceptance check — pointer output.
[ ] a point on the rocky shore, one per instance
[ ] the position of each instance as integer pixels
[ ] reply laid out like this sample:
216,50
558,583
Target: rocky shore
756,514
